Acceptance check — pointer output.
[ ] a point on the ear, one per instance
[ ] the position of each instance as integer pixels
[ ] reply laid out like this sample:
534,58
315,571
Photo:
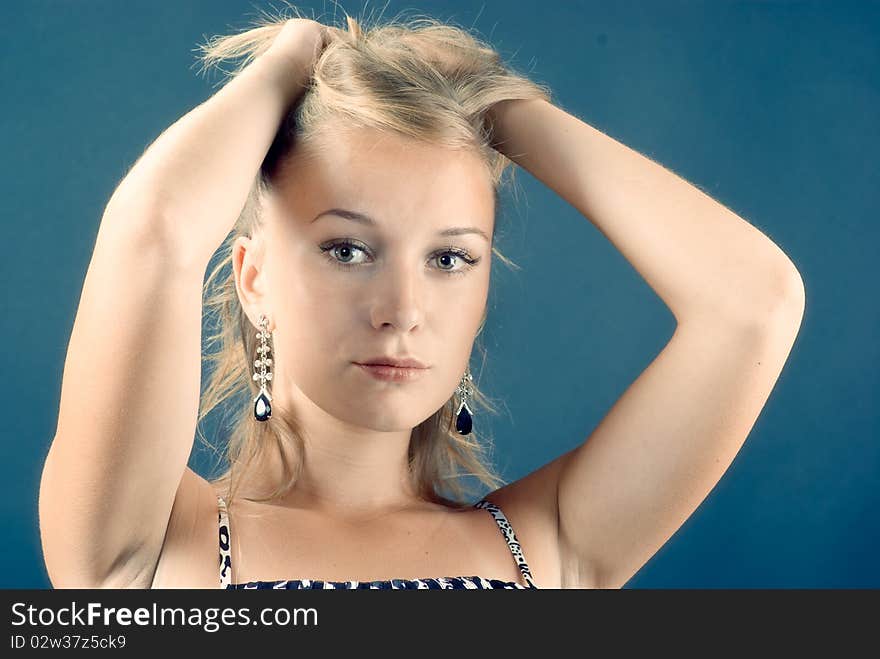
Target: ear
250,278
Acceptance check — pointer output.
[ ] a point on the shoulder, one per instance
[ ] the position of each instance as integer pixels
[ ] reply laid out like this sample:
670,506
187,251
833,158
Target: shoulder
192,531
530,506
533,497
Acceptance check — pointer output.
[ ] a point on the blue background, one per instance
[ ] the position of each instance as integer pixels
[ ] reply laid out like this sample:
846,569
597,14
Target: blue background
770,107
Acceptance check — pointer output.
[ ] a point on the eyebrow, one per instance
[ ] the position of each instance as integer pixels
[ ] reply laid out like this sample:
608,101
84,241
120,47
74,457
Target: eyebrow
363,218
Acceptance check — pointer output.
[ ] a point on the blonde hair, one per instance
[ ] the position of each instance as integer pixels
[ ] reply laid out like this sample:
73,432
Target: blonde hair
419,78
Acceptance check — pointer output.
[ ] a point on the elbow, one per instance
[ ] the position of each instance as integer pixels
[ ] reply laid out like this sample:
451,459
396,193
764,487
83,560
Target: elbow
778,306
788,296
765,301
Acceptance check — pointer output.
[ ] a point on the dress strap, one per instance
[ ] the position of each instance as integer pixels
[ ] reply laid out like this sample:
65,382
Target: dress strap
225,552
510,537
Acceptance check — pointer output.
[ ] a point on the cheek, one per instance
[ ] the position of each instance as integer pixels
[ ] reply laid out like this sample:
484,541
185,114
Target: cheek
314,315
308,286
473,304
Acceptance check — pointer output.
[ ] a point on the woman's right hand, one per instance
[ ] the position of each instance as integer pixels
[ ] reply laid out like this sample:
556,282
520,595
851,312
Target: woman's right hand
299,45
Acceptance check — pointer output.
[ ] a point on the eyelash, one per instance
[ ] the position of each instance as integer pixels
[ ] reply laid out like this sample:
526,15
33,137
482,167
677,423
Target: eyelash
328,248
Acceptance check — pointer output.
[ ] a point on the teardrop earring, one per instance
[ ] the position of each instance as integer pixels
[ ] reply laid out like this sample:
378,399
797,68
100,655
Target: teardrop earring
464,415
262,404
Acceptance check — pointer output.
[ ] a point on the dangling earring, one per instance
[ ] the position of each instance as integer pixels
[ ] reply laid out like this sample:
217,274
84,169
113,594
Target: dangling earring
464,415
262,406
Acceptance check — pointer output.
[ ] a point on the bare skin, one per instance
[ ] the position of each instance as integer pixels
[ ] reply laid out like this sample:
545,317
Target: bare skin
353,513
395,298
589,518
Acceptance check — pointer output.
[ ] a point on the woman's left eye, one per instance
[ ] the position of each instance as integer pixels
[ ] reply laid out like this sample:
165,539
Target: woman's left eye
345,249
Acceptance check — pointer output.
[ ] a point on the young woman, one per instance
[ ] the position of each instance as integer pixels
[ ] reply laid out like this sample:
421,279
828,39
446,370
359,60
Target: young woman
351,179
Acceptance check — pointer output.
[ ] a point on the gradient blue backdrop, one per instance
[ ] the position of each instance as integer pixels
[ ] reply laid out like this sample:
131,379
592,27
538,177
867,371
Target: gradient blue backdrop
770,107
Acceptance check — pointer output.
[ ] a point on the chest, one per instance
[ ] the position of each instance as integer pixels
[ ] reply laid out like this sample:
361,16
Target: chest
268,543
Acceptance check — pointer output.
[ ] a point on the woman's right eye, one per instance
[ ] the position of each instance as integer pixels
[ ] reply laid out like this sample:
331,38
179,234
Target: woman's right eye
338,252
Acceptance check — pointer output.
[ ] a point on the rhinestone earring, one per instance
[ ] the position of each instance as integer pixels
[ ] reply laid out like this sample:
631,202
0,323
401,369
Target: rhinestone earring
262,405
464,415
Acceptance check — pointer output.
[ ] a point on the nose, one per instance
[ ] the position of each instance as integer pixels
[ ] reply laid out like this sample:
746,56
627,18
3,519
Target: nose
398,298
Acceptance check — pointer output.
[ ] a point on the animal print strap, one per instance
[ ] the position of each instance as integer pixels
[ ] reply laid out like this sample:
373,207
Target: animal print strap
510,536
225,553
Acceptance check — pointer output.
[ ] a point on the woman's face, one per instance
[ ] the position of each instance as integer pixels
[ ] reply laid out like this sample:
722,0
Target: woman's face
340,291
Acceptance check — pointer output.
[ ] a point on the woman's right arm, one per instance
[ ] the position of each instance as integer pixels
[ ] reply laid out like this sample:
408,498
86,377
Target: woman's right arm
184,193
131,380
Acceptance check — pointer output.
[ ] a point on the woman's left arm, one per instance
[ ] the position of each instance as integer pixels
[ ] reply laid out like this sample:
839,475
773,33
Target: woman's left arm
738,301
702,260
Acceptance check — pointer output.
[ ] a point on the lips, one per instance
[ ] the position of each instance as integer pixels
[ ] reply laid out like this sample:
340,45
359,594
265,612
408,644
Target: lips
392,373
397,362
